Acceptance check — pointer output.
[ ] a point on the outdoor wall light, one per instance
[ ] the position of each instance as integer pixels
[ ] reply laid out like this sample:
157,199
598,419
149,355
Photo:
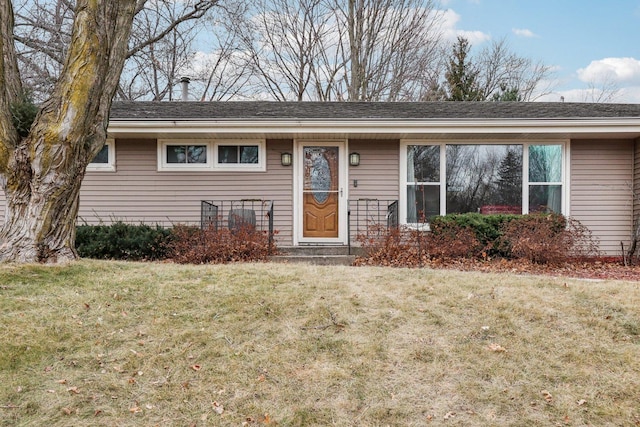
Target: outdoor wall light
286,159
354,159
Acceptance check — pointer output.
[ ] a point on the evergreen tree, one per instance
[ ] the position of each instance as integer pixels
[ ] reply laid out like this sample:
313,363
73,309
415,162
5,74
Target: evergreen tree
461,75
506,94
509,183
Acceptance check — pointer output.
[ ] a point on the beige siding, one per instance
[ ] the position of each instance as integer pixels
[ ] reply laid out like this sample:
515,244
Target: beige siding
379,171
601,180
636,178
138,192
378,178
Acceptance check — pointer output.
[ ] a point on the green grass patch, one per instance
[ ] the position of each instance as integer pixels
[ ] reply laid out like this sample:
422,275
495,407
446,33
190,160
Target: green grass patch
113,343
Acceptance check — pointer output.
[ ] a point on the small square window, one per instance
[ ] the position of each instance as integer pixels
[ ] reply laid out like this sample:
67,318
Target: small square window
105,160
241,156
186,154
238,154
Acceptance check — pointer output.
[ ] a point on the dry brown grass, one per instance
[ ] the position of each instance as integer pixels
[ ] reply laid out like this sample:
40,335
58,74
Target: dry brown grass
144,344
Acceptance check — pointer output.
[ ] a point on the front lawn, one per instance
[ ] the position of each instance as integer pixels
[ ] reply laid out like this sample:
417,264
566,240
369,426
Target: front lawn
129,344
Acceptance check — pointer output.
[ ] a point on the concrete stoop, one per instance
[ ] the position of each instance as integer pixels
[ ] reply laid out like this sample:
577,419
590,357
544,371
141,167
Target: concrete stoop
315,255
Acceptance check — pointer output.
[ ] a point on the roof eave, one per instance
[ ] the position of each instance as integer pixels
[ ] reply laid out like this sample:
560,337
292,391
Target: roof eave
375,126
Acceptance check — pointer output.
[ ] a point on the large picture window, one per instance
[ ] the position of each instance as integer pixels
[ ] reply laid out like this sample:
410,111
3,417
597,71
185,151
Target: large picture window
506,178
484,178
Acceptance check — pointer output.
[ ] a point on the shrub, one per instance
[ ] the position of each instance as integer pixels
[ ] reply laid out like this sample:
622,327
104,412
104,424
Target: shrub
548,239
454,240
488,229
405,247
395,247
540,238
191,245
121,241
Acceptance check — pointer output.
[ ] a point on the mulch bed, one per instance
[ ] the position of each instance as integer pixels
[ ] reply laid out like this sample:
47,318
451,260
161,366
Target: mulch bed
607,269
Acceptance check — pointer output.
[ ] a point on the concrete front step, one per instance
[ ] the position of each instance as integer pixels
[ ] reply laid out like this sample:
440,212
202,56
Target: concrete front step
314,250
315,259
317,255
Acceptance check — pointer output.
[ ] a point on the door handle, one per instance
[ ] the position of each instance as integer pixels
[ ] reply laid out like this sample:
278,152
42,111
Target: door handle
341,192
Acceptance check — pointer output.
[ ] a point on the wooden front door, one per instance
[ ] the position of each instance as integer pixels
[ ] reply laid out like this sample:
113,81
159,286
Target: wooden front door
320,192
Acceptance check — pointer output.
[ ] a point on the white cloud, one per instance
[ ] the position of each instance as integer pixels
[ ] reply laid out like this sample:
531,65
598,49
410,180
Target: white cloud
450,31
630,95
615,70
523,32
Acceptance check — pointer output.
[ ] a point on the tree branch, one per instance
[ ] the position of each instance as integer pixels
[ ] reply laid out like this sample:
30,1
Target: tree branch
199,10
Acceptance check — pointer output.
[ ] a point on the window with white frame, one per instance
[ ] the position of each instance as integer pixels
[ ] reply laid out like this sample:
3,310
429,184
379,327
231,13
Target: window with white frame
105,160
488,178
240,155
203,155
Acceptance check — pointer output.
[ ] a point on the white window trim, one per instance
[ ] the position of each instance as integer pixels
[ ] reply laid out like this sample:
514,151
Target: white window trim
261,166
162,155
212,164
402,211
110,166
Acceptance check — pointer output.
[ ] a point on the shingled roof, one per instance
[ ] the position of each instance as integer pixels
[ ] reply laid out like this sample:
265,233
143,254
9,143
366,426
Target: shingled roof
274,111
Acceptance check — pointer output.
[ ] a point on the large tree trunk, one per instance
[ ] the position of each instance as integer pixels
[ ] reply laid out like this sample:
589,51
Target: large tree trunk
43,172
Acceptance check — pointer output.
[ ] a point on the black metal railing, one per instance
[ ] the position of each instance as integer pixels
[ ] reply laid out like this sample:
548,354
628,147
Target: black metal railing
232,214
367,217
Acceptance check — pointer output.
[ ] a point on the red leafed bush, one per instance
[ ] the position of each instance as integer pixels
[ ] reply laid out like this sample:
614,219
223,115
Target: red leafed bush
548,239
406,247
388,247
191,245
541,239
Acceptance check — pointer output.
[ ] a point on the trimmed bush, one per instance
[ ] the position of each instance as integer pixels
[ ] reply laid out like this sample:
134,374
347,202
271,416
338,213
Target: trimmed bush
488,229
122,241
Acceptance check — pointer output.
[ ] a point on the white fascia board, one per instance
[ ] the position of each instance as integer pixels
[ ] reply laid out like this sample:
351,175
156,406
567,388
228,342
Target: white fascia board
574,126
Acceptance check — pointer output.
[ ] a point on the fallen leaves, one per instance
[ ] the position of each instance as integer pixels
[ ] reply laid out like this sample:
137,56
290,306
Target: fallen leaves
218,408
496,348
547,396
67,411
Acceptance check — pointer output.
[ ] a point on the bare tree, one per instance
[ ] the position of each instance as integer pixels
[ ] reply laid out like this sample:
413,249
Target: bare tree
159,47
224,72
601,90
153,69
392,46
43,168
501,70
495,74
373,50
288,43
42,33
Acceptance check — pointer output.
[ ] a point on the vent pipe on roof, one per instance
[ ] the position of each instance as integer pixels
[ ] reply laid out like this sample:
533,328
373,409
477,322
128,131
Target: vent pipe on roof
185,88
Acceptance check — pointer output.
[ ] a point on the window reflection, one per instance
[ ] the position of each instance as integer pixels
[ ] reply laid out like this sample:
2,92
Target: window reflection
484,178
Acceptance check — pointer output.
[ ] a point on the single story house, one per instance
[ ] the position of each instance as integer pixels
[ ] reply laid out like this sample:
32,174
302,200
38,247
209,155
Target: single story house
329,170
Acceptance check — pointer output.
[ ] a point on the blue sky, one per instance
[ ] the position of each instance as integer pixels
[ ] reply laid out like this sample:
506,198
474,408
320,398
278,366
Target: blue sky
587,42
